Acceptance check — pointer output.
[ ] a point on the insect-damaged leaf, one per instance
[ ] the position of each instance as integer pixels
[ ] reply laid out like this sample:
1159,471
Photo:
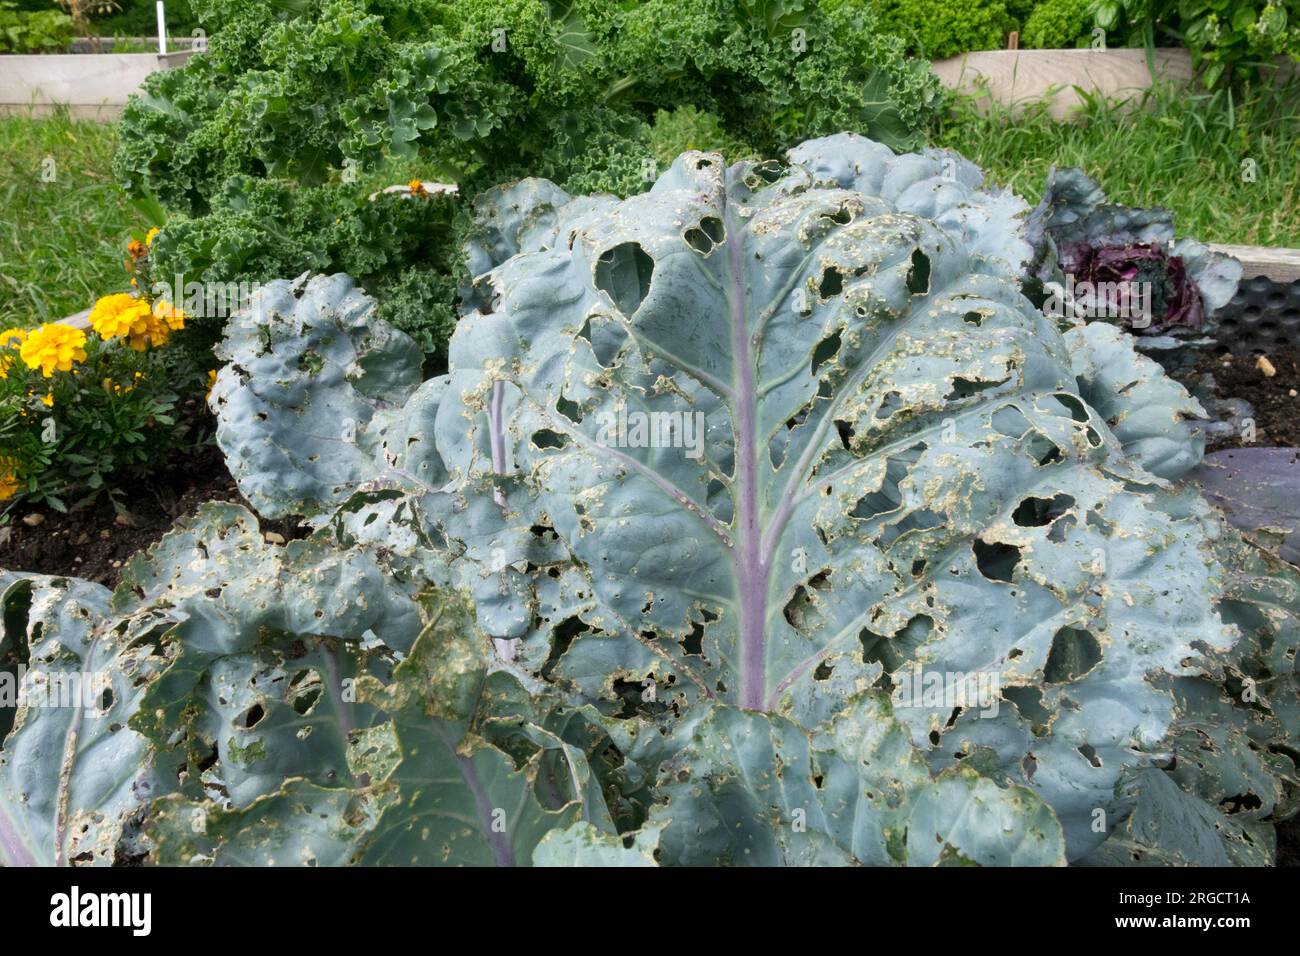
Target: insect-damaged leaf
758,790
792,428
762,499
309,366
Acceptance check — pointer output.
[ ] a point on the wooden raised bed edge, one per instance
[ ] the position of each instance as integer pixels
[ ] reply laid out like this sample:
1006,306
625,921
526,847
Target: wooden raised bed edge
1277,264
92,86
1018,78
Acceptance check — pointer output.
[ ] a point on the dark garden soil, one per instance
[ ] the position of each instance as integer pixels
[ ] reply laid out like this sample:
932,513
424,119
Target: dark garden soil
1275,399
96,542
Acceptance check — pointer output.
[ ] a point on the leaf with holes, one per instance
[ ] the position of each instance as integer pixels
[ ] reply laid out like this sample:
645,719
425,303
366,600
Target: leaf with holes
772,435
71,774
758,790
309,365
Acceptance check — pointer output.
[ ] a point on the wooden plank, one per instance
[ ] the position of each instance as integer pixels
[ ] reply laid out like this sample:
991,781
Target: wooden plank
1017,78
80,320
91,85
1280,265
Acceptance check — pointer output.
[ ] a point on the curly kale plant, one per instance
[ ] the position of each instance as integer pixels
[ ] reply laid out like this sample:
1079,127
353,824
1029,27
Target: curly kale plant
483,88
794,534
940,30
266,147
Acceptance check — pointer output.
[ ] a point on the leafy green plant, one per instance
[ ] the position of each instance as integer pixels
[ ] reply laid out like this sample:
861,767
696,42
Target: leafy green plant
404,248
657,571
940,30
112,417
272,141
1076,232
1231,40
1058,24
86,412
35,31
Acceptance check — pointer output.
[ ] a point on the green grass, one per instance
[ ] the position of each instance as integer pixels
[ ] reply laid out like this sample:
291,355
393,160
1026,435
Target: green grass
61,243
1183,152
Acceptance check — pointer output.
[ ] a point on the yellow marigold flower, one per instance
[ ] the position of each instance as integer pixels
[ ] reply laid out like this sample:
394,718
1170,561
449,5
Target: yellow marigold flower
8,479
10,340
172,316
156,332
53,346
417,188
120,316
212,381
151,235
48,400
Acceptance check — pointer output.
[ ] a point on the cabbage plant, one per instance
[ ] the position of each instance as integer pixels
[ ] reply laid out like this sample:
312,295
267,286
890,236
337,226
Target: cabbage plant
760,519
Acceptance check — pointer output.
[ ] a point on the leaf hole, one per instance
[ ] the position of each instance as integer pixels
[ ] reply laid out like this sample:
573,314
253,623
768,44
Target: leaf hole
832,283
623,273
918,276
1074,652
1034,512
252,717
826,350
995,560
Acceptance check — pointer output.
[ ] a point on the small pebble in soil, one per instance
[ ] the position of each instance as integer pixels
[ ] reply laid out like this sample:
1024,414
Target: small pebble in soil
33,519
1265,366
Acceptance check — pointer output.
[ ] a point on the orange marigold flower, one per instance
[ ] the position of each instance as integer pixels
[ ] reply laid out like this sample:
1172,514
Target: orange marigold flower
417,188
172,316
53,347
8,479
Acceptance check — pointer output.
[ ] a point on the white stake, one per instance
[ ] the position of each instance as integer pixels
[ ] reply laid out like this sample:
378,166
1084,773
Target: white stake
162,30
